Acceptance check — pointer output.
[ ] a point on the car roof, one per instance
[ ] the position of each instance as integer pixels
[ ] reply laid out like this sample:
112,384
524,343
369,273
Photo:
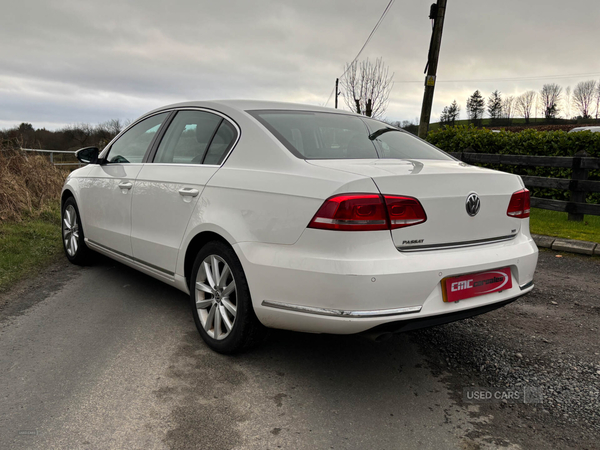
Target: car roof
592,129
247,105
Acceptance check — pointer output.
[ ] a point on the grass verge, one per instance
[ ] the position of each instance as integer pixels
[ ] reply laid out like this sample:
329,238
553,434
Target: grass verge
554,223
29,245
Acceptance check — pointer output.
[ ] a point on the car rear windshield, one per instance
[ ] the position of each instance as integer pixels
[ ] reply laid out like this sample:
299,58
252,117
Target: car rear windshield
321,135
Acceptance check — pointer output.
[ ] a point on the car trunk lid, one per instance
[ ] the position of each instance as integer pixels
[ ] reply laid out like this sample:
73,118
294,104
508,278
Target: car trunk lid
442,187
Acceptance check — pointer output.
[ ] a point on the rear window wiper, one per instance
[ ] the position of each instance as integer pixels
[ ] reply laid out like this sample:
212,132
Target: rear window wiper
379,132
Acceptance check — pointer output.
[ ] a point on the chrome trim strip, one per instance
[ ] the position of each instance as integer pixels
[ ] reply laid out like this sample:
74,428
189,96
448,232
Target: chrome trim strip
130,258
526,285
183,165
341,313
418,248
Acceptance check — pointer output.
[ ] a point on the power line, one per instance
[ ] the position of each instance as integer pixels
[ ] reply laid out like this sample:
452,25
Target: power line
329,98
385,11
525,78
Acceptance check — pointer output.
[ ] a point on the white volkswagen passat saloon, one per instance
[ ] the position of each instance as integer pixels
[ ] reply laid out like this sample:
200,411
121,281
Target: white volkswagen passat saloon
301,218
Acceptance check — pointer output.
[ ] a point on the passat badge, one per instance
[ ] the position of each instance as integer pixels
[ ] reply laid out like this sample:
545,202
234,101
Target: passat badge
473,204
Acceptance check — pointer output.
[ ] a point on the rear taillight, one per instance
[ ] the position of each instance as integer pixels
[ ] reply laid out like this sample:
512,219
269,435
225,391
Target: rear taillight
367,212
352,212
404,211
519,205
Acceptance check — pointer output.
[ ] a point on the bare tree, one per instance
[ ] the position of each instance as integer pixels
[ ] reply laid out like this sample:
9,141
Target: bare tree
583,97
508,107
112,126
524,104
106,131
550,97
71,137
366,87
567,102
79,133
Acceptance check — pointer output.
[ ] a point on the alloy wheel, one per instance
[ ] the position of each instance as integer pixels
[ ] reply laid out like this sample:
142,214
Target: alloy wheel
216,297
70,230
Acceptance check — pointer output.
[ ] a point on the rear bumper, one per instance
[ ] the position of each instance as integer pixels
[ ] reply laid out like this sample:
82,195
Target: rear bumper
330,286
432,321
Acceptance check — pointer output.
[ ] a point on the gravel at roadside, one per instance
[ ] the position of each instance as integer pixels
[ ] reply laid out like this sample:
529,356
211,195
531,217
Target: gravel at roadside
547,340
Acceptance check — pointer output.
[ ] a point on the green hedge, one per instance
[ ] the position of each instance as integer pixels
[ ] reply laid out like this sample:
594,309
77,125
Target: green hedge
528,142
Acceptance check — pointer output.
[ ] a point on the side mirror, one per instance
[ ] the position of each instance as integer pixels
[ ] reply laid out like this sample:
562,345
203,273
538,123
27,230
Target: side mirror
88,155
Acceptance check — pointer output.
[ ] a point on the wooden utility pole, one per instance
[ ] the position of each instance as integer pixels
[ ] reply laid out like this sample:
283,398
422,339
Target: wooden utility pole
337,82
437,14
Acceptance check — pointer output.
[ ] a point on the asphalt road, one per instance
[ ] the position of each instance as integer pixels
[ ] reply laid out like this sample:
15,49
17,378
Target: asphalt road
105,357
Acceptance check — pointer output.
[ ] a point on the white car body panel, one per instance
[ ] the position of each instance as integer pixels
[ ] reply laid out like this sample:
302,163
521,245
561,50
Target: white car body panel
590,128
261,201
106,207
160,214
269,207
365,274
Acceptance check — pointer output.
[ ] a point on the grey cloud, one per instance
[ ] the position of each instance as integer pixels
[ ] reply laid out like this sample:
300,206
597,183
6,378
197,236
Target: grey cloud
80,61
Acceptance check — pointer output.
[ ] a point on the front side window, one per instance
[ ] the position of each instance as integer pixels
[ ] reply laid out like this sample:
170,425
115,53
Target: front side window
320,135
188,137
133,144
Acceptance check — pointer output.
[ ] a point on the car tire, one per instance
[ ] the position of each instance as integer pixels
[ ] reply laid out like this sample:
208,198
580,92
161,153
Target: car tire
220,301
72,234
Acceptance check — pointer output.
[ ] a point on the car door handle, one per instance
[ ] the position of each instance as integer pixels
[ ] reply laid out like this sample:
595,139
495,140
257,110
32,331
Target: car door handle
188,192
125,185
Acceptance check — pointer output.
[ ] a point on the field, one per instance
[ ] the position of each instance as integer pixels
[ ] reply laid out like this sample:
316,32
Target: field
554,223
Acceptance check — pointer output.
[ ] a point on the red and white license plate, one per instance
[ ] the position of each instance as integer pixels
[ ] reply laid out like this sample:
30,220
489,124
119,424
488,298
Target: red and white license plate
475,284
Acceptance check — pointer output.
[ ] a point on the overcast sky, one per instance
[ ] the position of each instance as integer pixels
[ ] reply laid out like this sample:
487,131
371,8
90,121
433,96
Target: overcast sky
72,61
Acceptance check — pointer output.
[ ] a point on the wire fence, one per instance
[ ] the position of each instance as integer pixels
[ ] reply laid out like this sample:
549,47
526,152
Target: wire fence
57,157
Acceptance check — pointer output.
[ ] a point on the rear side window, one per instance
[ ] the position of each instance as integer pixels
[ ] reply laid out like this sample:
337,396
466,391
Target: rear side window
221,143
133,144
312,135
188,137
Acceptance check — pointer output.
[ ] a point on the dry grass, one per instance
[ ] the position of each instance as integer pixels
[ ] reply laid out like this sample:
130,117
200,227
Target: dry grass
29,185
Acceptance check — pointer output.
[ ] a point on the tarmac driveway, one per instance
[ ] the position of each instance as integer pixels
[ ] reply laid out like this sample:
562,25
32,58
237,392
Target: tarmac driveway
105,357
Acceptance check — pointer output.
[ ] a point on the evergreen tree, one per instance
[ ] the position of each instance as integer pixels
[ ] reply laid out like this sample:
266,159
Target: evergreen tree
475,108
453,112
445,116
494,106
